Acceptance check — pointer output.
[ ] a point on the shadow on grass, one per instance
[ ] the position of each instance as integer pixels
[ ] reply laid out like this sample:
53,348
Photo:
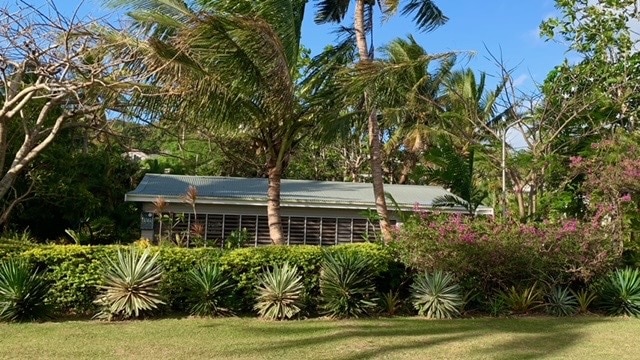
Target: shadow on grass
521,338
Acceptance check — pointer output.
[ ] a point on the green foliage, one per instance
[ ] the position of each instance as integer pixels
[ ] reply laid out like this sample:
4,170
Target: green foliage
561,301
390,303
346,285
130,285
22,292
75,272
585,298
488,256
436,295
279,293
208,290
522,301
619,293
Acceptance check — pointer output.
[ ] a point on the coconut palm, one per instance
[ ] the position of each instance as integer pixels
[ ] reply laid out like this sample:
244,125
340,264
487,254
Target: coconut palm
228,66
414,110
427,16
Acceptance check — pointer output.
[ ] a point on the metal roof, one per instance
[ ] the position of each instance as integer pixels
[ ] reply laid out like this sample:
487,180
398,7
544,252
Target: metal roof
253,191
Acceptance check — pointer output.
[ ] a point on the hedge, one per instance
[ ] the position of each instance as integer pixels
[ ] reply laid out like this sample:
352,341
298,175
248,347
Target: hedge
75,271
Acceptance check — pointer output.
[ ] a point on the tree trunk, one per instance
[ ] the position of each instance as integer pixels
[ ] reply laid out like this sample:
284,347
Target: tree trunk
374,131
273,204
377,177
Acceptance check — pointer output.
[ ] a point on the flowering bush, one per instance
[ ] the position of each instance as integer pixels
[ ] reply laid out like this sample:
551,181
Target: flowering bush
611,172
487,256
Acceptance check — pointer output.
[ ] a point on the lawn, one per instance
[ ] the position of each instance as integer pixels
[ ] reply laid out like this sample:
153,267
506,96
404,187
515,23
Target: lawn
400,338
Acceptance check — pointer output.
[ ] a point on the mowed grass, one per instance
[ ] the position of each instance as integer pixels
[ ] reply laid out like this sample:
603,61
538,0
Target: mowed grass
398,338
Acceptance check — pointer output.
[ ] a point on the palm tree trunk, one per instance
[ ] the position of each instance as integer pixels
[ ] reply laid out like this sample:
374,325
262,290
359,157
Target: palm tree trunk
374,132
273,204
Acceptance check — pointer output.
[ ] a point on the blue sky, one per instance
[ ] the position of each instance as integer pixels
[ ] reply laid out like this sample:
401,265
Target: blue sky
508,28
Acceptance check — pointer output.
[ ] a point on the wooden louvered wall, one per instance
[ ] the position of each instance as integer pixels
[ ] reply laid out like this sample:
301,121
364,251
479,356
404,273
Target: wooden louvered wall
298,230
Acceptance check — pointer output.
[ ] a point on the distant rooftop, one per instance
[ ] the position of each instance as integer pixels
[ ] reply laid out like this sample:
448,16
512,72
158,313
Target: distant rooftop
216,189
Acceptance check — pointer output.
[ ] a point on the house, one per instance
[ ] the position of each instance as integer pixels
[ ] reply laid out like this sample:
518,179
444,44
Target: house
313,212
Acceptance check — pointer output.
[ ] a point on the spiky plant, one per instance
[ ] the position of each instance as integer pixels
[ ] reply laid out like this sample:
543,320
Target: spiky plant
346,285
22,292
560,301
436,295
620,293
390,303
522,301
208,289
585,298
279,293
130,285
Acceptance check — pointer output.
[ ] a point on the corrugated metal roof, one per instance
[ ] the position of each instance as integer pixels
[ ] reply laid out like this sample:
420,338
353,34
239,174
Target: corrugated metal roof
294,191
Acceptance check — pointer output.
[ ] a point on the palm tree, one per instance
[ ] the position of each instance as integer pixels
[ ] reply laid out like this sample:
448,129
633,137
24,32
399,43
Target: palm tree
427,16
227,66
416,108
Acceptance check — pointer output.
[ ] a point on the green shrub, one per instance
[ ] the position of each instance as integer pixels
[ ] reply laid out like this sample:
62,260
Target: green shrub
346,285
279,293
560,301
585,298
436,296
390,303
488,256
522,301
130,285
208,290
75,272
22,292
620,293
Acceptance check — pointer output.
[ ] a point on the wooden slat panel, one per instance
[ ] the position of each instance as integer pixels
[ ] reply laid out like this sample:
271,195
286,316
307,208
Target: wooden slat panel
344,231
248,222
359,230
328,231
263,230
313,231
214,229
296,231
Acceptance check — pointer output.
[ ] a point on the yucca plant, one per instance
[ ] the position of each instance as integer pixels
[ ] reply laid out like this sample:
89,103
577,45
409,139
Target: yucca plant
585,298
279,293
346,285
560,301
522,301
130,285
436,295
620,293
208,289
22,292
390,303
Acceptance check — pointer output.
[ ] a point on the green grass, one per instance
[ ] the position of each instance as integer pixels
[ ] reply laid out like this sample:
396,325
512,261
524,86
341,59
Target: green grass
400,338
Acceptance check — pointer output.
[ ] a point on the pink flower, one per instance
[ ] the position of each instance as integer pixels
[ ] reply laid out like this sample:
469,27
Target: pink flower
575,161
625,198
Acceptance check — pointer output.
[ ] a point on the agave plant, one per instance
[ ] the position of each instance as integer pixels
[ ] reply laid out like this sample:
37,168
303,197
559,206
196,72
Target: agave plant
22,292
436,296
620,293
130,285
390,303
346,285
522,301
585,298
279,293
561,302
208,289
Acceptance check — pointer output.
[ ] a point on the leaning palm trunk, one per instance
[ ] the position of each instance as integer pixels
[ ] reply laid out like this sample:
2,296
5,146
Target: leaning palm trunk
374,132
